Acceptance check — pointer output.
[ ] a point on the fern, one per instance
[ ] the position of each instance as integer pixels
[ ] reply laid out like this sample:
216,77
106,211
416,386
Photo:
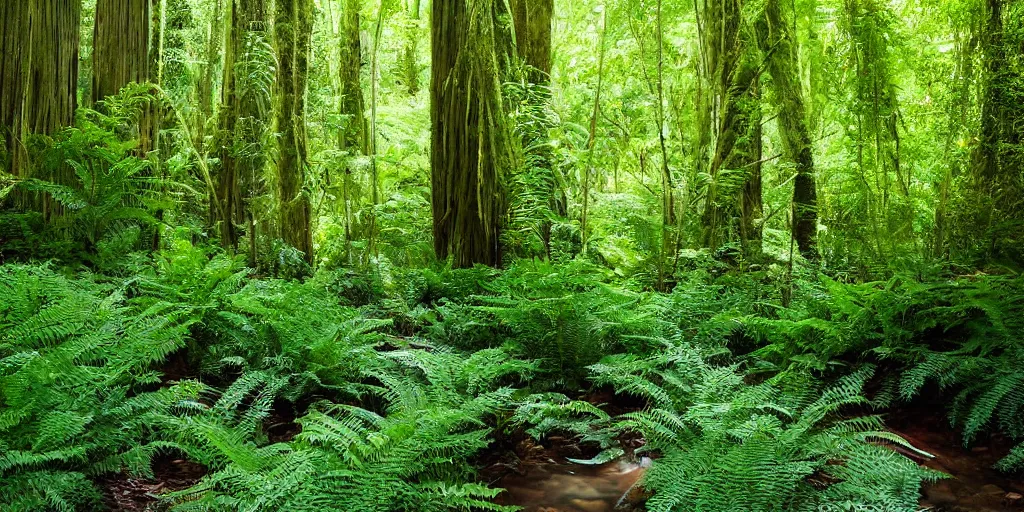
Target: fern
782,444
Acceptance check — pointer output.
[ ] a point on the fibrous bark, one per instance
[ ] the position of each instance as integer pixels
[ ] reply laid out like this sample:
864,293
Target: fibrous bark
532,19
471,150
293,28
245,113
121,41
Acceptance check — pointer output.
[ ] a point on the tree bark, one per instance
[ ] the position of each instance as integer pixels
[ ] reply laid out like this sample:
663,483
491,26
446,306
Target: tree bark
471,147
353,104
734,167
986,156
51,97
780,49
532,19
38,73
14,65
293,28
244,114
412,69
121,54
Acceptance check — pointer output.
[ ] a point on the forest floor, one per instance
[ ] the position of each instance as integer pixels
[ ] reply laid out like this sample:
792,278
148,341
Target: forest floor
540,477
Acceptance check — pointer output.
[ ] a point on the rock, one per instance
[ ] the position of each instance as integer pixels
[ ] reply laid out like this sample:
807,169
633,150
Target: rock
991,490
591,505
1013,498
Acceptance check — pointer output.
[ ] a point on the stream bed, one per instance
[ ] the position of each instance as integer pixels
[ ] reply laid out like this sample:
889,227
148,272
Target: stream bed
572,487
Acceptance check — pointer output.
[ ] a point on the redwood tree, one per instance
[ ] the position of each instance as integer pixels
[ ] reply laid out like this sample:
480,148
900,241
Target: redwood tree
121,54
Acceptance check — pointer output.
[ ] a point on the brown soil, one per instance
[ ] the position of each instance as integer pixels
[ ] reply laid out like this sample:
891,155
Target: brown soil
975,486
125,493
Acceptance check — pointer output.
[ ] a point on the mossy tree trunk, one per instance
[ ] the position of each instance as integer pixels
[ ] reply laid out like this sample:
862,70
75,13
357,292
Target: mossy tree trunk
986,156
353,104
533,20
293,28
245,120
780,50
471,149
411,51
733,67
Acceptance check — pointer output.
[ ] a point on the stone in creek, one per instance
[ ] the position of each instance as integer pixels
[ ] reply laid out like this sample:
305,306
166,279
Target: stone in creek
590,505
991,490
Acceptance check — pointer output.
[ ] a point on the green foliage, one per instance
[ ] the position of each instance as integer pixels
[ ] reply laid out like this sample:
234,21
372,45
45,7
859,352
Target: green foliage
783,444
78,391
98,193
413,457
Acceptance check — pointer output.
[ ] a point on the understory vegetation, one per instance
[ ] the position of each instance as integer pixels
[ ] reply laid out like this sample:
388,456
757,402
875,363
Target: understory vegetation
399,380
377,256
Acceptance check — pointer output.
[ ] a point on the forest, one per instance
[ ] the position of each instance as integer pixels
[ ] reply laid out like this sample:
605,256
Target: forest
512,255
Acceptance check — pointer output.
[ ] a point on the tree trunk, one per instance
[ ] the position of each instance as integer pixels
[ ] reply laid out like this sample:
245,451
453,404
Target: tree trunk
986,156
14,66
412,69
532,19
245,111
51,96
293,28
471,148
780,49
734,72
121,54
205,87
38,73
353,105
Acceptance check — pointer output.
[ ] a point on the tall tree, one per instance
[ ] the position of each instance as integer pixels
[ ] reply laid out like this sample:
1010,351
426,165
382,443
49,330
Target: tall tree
293,29
411,52
993,114
780,50
51,95
121,40
38,72
245,115
532,20
733,66
471,147
14,57
353,104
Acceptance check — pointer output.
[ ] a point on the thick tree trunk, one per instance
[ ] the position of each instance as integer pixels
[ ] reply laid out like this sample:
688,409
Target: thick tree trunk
533,20
471,150
734,167
14,65
777,44
121,54
38,73
51,95
293,29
